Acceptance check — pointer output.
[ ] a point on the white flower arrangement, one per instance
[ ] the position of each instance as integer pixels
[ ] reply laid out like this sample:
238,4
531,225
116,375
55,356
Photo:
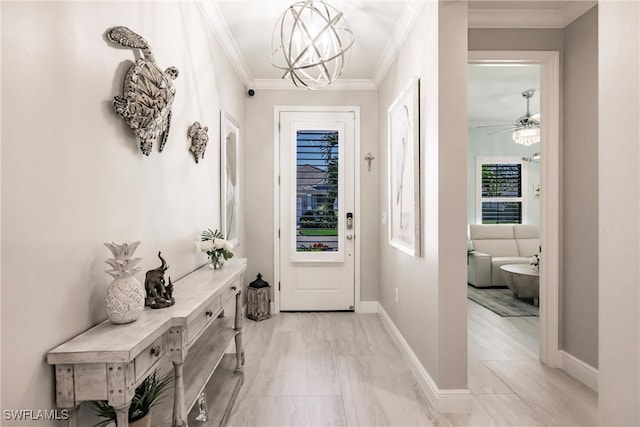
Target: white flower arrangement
216,246
535,261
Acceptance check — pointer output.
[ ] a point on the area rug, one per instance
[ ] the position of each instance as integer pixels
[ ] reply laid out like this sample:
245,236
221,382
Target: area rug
501,302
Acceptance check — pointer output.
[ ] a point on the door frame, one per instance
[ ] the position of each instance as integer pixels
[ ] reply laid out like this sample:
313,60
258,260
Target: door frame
275,308
550,152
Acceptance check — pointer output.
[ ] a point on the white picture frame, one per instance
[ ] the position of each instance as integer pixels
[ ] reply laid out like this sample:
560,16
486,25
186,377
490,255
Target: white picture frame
404,169
229,188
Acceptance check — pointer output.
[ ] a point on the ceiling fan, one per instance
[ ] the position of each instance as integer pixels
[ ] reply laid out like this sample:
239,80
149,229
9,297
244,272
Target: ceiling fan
526,129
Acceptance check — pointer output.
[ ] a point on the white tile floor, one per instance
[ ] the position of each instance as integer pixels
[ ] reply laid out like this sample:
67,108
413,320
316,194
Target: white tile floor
325,369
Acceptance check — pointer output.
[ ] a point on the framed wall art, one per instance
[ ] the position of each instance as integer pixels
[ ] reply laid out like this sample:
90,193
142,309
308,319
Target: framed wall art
404,170
229,191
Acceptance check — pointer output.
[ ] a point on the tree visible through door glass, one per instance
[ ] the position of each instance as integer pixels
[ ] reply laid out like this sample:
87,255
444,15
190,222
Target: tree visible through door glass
317,207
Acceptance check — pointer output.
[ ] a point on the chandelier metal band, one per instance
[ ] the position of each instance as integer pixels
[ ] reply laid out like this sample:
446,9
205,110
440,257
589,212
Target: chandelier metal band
310,44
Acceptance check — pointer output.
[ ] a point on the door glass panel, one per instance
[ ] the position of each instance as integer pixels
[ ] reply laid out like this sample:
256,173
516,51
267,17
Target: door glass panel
317,190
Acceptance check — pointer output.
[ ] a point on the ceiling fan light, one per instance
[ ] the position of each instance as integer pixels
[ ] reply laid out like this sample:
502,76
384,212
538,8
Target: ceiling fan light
535,118
310,44
527,136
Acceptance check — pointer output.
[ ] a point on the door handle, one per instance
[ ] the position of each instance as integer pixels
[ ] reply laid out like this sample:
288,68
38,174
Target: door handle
349,236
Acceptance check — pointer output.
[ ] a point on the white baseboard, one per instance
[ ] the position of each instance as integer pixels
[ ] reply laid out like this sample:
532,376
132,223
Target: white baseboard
449,400
586,374
368,307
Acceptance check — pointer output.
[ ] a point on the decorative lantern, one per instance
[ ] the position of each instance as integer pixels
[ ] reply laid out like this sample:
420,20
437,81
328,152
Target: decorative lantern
258,296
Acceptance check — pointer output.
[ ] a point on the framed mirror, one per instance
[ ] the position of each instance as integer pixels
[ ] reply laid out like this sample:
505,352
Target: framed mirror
229,191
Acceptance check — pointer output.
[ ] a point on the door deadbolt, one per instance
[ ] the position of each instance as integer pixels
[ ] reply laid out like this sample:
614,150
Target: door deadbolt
349,221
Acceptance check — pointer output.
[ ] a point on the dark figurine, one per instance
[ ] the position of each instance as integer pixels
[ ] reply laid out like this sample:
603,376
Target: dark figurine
158,296
169,289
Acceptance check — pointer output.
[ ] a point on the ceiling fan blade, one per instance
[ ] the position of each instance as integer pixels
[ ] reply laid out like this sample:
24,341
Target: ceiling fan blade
494,126
501,130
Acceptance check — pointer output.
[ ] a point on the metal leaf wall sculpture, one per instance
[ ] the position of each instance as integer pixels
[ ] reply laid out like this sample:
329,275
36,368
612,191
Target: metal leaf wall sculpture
145,104
199,139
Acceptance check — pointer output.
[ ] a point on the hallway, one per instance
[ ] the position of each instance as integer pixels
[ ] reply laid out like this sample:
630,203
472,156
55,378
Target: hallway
321,369
509,386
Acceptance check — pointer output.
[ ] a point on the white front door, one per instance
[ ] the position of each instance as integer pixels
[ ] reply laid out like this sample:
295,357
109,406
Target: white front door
317,222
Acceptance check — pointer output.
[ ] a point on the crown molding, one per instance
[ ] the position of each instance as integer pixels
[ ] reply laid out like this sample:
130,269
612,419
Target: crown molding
528,18
478,18
574,9
223,35
501,18
396,41
340,84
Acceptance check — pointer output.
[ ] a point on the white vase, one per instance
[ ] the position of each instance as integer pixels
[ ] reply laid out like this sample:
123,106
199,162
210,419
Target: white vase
124,301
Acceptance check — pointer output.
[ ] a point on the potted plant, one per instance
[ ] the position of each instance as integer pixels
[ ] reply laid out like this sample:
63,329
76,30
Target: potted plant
218,249
148,394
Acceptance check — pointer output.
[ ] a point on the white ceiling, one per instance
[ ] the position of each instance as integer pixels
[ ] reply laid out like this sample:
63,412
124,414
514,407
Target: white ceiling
244,28
379,28
495,93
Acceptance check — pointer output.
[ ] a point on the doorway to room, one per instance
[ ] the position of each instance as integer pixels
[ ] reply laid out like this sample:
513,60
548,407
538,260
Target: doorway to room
316,210
503,189
534,168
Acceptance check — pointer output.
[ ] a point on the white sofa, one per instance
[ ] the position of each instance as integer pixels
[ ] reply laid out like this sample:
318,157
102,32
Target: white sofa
491,246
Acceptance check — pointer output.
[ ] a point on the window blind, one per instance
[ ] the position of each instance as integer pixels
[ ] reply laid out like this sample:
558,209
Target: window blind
500,182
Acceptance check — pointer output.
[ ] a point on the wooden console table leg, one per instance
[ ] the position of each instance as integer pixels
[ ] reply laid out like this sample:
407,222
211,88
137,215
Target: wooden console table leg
238,325
65,393
120,386
239,353
122,415
179,411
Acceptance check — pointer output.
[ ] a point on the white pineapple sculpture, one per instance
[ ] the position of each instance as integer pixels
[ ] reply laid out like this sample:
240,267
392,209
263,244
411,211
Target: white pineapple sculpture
124,301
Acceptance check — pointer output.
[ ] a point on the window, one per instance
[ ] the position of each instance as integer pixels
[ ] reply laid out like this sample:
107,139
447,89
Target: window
500,195
317,187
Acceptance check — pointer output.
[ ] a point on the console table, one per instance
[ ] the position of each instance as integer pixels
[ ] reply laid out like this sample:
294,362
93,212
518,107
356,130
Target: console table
109,361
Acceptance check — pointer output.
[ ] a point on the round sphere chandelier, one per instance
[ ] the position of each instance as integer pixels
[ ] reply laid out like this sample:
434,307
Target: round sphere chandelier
310,44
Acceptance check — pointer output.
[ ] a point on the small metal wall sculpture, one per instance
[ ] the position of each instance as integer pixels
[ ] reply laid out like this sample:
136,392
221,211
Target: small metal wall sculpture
199,139
148,92
158,295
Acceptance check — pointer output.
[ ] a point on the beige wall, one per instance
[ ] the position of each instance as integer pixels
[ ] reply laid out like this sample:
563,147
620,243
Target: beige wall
579,302
73,176
431,308
260,177
619,210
